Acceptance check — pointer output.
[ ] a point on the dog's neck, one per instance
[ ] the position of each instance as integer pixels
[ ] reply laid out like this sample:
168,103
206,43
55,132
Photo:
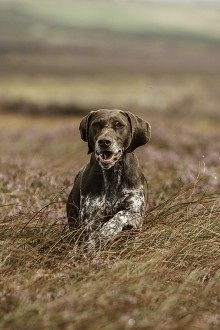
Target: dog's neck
113,177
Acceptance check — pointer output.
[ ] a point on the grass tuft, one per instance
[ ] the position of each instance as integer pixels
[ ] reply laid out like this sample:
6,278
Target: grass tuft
166,274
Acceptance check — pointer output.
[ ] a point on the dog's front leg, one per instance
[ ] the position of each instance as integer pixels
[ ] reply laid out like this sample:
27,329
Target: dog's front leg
121,221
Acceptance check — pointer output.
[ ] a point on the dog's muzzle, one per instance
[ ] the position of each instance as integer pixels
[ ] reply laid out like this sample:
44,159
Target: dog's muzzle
107,158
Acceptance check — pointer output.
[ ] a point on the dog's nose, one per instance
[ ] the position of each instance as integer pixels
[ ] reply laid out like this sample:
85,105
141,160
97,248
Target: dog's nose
104,142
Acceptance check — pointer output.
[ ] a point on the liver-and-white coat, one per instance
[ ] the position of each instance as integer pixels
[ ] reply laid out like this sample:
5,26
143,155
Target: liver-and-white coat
108,193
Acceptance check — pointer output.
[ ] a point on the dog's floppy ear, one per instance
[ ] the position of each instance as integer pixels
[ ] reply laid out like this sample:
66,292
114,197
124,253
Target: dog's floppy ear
140,131
84,130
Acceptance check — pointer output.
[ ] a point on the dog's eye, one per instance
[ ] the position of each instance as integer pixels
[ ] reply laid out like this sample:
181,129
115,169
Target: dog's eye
118,124
96,124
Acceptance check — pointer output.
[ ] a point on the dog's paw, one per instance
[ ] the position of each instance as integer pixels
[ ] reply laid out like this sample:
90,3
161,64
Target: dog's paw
110,228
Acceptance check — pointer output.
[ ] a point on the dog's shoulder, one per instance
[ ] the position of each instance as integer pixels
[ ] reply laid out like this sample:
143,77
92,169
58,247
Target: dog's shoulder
134,175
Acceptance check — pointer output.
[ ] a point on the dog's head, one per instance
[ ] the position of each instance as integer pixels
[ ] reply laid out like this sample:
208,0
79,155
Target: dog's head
110,133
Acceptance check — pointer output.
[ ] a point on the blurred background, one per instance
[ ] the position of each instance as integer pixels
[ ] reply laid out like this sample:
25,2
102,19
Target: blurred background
59,59
117,53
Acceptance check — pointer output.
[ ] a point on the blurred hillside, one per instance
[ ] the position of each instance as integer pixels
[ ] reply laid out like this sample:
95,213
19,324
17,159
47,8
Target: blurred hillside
107,53
90,37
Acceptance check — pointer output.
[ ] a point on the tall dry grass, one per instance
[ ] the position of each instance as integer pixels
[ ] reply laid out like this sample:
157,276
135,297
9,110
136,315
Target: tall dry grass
165,276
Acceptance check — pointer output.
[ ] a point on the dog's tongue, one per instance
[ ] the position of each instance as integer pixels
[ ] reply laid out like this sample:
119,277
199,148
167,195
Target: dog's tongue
106,155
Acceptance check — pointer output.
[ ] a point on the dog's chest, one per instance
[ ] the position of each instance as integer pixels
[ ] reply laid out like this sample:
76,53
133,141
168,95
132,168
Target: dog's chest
97,206
95,210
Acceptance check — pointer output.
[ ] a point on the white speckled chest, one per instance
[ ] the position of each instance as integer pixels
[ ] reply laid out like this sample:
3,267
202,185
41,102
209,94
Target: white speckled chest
96,210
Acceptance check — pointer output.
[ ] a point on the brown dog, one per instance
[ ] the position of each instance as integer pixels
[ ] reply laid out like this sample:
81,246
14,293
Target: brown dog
108,193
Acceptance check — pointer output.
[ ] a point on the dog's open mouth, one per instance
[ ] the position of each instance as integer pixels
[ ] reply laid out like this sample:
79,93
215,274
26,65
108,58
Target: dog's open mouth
108,158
